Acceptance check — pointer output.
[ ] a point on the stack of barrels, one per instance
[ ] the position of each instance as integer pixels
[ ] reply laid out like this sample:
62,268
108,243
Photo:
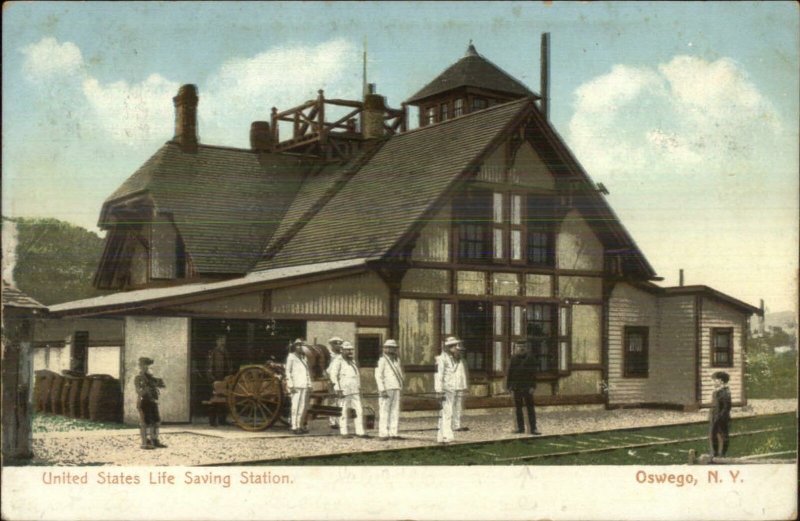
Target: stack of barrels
96,397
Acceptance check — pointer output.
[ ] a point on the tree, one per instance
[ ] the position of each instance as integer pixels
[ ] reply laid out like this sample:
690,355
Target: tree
56,260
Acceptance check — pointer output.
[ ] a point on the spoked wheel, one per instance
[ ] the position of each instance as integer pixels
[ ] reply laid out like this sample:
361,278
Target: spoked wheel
255,398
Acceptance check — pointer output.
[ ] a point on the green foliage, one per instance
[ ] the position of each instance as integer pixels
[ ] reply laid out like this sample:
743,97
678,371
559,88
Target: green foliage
56,260
771,374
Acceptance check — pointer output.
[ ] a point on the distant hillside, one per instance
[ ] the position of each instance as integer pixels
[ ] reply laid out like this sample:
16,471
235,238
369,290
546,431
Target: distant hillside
54,260
783,319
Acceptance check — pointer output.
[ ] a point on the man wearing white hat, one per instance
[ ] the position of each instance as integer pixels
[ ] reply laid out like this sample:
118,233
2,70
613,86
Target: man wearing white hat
389,377
347,382
298,379
335,349
450,382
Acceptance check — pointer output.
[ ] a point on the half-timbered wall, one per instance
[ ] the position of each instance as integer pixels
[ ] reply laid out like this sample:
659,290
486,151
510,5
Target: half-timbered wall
577,247
628,306
417,331
529,170
717,315
359,295
433,244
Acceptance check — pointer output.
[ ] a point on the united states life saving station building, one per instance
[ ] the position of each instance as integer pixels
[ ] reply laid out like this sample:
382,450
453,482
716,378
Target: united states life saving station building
339,220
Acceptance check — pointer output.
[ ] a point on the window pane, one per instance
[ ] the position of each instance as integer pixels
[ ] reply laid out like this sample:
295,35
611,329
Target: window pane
447,318
517,320
499,317
443,112
516,245
458,107
498,207
562,356
516,209
563,323
498,244
498,356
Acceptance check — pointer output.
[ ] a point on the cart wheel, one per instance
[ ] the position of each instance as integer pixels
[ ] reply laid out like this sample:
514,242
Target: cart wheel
255,398
285,414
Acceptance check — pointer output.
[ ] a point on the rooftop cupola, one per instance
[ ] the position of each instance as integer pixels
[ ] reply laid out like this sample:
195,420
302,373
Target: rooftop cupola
472,83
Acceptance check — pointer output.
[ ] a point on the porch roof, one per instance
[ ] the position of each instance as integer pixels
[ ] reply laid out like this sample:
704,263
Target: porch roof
156,297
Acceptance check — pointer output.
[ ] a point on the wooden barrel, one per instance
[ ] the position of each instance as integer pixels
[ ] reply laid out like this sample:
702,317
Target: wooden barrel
41,389
65,390
105,398
86,387
74,398
54,400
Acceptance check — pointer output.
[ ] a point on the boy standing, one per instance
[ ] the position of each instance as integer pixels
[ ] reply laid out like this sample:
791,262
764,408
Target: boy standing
719,418
147,387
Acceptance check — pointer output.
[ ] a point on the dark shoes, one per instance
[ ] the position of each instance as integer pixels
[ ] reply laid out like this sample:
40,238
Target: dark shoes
335,427
157,444
397,437
536,433
364,436
517,431
461,429
147,446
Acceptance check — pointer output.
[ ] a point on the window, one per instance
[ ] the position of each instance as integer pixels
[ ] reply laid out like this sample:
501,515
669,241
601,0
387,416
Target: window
516,227
447,319
541,230
473,211
430,116
443,109
635,356
498,230
722,347
475,328
499,343
479,103
369,350
564,328
80,355
458,107
541,334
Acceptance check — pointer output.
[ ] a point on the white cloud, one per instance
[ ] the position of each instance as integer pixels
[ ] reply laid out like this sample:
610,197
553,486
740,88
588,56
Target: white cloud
47,58
245,89
684,115
131,113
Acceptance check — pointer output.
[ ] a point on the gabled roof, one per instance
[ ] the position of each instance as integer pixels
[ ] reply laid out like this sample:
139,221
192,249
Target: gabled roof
14,298
473,70
225,202
387,196
705,291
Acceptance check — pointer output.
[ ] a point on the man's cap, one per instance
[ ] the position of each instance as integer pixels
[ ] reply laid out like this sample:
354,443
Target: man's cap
299,341
145,360
335,340
390,343
347,345
451,341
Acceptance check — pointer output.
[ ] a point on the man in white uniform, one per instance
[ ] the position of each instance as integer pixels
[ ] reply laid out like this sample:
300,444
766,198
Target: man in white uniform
335,349
460,387
348,385
389,377
450,378
298,379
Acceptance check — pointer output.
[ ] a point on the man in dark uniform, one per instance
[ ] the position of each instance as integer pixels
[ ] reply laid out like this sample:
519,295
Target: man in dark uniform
719,417
218,367
147,390
521,381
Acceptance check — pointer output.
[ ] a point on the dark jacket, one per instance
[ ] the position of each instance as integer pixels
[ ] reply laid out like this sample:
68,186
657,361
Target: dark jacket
521,373
219,365
721,405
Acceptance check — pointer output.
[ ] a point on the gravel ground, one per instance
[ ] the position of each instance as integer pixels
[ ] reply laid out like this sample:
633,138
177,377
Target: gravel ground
201,445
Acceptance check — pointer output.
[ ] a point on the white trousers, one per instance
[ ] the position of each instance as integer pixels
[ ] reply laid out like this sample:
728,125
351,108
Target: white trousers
335,401
300,398
390,413
352,401
458,408
446,417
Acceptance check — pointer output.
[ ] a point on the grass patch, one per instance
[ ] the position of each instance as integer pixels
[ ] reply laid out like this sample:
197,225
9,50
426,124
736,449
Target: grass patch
492,453
57,423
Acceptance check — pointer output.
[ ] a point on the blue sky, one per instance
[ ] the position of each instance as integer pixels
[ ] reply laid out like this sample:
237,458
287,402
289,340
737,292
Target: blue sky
687,112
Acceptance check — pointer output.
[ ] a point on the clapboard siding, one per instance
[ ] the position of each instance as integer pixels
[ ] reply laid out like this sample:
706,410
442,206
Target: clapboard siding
672,364
628,306
360,295
714,315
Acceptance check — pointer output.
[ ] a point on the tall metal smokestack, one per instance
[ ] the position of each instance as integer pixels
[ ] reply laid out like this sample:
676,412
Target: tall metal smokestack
680,278
544,76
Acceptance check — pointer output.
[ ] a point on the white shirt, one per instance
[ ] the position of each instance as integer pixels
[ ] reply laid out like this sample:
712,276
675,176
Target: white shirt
347,378
297,374
451,375
388,374
336,359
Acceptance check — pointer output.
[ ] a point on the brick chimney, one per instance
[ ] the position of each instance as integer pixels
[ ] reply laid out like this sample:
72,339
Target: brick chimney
260,136
374,110
186,118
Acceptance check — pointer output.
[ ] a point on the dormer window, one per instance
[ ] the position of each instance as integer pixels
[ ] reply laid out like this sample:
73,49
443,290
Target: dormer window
458,107
479,103
430,116
443,111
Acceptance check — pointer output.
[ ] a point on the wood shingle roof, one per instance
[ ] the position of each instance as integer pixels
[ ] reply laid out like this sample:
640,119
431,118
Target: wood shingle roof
473,70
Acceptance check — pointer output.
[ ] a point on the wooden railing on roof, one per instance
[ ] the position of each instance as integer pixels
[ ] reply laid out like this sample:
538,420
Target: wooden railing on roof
334,140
